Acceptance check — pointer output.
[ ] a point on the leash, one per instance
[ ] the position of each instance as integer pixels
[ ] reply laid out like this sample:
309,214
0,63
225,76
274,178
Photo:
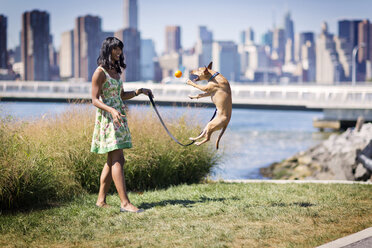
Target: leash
165,127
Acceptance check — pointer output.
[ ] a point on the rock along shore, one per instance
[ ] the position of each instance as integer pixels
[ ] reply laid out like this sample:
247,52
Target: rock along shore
333,159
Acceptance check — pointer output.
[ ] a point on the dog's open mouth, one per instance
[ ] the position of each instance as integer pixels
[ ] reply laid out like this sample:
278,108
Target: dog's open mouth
194,77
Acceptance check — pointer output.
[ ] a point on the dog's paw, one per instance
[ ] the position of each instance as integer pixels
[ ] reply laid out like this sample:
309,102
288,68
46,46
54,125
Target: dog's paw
189,82
192,97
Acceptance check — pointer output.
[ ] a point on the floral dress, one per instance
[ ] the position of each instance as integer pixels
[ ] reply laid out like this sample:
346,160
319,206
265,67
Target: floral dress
107,136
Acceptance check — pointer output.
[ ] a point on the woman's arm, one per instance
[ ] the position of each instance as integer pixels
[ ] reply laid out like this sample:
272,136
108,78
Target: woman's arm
130,94
98,79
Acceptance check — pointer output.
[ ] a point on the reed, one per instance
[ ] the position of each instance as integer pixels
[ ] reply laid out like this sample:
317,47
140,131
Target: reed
48,159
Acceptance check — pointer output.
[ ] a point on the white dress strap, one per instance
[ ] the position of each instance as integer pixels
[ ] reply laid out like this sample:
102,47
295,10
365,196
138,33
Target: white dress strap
103,69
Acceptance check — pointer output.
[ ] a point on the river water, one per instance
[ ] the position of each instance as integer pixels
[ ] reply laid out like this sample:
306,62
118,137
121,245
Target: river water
253,139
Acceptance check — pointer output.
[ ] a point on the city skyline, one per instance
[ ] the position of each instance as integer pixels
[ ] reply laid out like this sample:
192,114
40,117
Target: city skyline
259,15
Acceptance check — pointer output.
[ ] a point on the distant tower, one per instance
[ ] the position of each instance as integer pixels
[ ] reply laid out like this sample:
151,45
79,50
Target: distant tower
348,30
66,55
205,34
3,46
203,47
328,67
35,38
148,55
132,53
130,14
289,35
226,59
247,36
87,44
172,39
365,37
279,42
304,37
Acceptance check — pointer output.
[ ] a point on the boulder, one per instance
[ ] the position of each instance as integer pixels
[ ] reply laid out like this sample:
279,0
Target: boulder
332,159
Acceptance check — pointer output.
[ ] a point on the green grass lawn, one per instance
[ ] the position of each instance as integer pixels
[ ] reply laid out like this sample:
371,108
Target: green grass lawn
200,215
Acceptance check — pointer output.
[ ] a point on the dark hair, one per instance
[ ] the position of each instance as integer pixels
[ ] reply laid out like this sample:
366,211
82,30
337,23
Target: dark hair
104,58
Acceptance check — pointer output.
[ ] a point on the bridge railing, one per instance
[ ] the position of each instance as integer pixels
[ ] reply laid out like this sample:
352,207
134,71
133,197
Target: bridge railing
310,96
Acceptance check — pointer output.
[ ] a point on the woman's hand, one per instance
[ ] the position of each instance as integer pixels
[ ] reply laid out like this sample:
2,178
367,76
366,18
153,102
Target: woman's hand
116,117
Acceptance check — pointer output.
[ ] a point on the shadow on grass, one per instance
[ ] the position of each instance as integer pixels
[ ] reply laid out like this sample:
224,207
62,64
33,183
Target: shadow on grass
184,203
300,204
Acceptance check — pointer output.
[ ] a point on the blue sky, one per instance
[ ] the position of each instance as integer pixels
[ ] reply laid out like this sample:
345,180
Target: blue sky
225,18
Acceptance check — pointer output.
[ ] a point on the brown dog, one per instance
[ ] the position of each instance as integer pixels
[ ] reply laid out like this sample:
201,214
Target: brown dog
219,90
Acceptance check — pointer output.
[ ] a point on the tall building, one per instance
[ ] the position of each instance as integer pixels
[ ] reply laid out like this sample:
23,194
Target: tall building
130,14
254,63
303,38
87,44
279,43
172,39
343,48
365,38
308,62
148,55
132,53
267,39
3,46
66,52
348,30
35,39
289,35
247,36
203,48
204,34
226,59
328,68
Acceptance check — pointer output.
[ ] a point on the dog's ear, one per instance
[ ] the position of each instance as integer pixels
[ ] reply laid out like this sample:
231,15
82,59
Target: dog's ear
210,66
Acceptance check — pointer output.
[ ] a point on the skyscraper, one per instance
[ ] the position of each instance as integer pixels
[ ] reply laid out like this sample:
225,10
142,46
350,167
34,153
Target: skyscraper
130,14
35,39
267,39
328,67
3,46
365,41
226,59
172,39
308,62
203,48
289,35
87,44
148,55
247,36
304,37
204,34
348,30
279,42
132,53
66,52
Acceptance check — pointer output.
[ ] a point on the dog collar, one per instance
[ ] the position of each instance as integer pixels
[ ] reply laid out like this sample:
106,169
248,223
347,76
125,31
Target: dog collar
213,76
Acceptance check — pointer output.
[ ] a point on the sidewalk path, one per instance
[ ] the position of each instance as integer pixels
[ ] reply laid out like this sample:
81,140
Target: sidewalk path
293,181
362,239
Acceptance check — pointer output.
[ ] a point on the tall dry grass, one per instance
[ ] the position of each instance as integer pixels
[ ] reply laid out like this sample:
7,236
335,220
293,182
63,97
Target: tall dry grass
49,159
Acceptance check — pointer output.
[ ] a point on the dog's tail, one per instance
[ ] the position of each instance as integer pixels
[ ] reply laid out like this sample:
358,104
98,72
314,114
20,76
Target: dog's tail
219,137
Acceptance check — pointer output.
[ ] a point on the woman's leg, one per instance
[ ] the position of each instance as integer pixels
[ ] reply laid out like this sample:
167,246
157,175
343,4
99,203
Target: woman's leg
105,182
119,180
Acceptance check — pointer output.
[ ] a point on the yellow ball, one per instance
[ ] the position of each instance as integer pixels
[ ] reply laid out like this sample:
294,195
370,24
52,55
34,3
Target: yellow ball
178,73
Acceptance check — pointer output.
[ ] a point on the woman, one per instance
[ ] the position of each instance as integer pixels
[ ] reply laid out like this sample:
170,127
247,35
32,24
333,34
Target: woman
111,133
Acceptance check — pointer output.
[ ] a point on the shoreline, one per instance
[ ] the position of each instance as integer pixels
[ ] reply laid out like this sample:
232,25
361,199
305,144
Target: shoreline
332,159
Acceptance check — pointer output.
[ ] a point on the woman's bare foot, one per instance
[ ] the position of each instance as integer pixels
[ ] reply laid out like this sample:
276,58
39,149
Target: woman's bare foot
102,205
130,208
